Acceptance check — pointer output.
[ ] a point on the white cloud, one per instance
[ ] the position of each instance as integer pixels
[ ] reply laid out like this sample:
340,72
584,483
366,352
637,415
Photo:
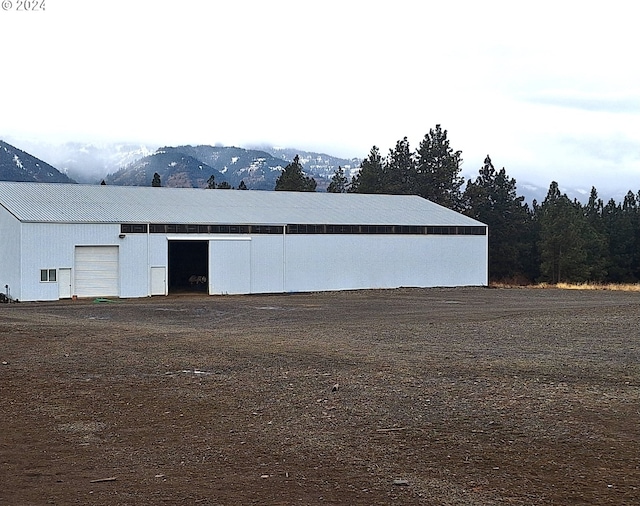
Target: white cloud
549,90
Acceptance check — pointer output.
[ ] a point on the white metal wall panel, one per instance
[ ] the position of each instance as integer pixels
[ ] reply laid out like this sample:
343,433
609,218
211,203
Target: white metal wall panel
10,249
345,262
159,249
134,265
52,245
96,271
457,260
230,266
258,264
267,264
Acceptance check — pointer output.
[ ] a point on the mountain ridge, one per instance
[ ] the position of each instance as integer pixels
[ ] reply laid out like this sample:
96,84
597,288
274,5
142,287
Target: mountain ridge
18,165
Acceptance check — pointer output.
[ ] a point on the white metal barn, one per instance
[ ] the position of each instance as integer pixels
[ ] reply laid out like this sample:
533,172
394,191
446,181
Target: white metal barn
61,240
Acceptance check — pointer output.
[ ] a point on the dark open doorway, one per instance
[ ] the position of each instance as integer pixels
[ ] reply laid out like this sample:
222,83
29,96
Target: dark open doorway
188,266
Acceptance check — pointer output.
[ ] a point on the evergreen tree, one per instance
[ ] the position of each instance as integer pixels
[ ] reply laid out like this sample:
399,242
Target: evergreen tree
562,239
293,179
593,209
631,217
211,182
370,177
531,242
492,199
399,171
224,186
597,247
438,170
156,183
623,231
242,186
339,182
103,183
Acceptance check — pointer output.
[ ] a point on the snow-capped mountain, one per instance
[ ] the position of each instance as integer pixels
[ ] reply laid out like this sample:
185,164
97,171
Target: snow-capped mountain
87,162
320,166
17,165
257,168
123,163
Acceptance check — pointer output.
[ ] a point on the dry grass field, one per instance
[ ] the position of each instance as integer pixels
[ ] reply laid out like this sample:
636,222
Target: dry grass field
437,397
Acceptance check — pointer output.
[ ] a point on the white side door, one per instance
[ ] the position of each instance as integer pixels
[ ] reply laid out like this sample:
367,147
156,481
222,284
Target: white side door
64,283
158,281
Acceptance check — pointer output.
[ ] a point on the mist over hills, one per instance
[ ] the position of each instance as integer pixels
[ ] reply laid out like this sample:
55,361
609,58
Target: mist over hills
85,162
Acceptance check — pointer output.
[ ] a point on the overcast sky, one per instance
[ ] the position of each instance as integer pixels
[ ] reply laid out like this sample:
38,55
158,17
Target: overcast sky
549,89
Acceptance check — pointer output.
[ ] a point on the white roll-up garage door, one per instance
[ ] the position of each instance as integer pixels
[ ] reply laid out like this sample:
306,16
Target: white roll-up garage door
96,271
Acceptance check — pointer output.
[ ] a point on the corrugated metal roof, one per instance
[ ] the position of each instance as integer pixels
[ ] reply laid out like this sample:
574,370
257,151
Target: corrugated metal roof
71,203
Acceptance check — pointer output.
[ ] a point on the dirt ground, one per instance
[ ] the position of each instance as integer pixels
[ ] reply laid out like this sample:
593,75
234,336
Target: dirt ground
413,396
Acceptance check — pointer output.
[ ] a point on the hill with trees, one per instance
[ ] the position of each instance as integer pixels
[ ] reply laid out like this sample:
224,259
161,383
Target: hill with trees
173,167
192,166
